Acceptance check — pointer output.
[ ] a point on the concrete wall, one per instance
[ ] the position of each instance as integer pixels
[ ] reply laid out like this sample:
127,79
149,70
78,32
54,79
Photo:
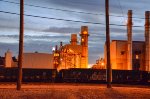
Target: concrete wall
113,54
118,55
121,55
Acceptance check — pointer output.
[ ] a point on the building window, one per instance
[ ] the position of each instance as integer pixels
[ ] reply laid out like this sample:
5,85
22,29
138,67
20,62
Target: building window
122,52
137,56
82,40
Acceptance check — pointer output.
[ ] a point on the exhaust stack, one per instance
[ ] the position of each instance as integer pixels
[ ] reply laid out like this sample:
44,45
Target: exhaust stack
84,43
73,39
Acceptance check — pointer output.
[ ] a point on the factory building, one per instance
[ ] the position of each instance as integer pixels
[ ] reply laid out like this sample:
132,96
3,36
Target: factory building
30,60
128,54
38,60
119,55
74,55
71,55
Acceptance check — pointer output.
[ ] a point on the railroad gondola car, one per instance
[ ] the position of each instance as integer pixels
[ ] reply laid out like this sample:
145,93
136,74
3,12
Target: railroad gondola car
29,75
99,76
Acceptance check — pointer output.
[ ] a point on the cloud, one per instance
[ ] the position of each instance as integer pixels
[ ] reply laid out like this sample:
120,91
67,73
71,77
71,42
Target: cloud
82,5
62,30
28,47
33,38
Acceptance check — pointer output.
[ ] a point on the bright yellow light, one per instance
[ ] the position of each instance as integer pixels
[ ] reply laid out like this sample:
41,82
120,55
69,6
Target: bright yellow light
89,65
102,64
85,32
137,56
82,40
56,54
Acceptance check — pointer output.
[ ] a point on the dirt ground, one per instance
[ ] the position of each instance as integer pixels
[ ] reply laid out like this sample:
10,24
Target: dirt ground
73,91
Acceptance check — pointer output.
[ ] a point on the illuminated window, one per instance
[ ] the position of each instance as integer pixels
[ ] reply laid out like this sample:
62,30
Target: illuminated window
137,56
82,40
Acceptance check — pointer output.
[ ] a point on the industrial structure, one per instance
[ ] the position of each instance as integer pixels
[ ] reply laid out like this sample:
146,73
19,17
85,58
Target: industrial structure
38,60
73,55
30,60
8,59
119,55
128,54
100,64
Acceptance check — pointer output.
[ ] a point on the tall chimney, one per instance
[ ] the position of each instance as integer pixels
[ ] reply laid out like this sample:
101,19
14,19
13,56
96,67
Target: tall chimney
84,43
73,39
129,34
147,41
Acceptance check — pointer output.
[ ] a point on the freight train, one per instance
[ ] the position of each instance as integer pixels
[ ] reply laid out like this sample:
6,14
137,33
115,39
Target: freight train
75,75
99,76
29,75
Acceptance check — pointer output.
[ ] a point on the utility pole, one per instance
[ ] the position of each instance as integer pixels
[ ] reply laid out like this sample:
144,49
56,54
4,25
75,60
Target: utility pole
129,36
20,61
147,40
109,71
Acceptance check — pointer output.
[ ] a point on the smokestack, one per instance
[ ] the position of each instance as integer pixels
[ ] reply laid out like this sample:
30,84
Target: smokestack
129,36
84,43
73,39
147,41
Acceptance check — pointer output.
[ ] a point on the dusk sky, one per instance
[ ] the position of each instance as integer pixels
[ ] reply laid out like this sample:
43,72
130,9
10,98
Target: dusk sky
41,34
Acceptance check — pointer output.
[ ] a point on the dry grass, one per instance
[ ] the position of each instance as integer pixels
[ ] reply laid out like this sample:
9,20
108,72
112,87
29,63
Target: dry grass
74,92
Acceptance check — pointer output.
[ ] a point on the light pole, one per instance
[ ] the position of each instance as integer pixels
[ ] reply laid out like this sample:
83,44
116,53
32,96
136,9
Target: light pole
19,81
109,71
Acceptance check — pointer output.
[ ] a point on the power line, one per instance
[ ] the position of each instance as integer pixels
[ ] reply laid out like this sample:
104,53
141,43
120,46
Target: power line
77,21
121,9
50,18
64,10
52,8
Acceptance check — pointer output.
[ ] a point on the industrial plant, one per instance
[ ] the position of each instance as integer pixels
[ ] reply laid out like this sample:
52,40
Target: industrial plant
125,61
129,54
67,56
73,55
129,60
125,54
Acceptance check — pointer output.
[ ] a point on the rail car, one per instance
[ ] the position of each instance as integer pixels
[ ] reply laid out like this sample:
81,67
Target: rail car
29,75
75,75
99,76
